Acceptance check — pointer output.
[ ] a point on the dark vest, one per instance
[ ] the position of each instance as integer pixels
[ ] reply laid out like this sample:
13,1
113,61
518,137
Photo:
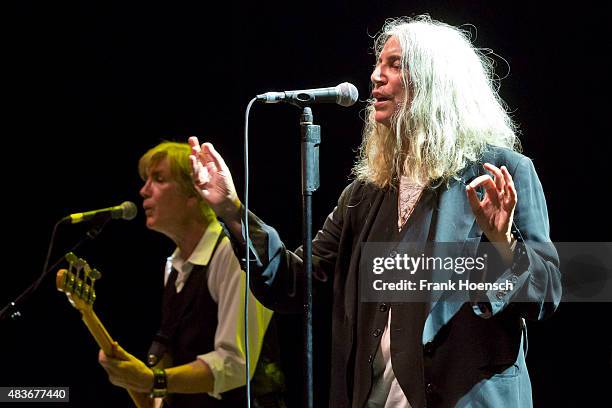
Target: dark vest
188,326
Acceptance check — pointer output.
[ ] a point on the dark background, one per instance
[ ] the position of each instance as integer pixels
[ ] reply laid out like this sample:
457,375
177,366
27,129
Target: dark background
88,87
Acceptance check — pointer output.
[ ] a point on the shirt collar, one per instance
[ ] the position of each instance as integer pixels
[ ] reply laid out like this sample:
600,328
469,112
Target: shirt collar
203,250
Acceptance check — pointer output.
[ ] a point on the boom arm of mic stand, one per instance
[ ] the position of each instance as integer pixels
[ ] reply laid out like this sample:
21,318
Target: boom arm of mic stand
12,309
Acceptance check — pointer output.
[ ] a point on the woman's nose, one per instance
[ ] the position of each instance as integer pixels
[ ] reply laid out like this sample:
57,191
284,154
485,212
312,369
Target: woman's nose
376,76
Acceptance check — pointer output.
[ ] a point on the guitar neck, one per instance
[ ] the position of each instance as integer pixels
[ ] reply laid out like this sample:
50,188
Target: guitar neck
105,341
98,331
81,294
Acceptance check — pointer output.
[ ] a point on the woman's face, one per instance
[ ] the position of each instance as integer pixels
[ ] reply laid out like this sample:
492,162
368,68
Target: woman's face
388,92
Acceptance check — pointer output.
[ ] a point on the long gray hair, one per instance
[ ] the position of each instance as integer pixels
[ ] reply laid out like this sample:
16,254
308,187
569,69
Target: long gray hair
452,111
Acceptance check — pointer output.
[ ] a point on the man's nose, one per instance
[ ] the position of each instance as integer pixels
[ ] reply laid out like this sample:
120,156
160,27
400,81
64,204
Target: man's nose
144,190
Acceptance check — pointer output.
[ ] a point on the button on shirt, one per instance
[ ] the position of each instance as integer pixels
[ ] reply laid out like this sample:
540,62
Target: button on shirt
226,283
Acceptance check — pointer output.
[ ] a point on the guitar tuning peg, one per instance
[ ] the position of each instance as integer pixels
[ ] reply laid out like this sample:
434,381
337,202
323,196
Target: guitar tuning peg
71,257
95,274
83,263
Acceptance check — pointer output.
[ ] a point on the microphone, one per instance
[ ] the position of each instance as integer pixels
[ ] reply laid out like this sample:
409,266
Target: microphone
345,94
126,210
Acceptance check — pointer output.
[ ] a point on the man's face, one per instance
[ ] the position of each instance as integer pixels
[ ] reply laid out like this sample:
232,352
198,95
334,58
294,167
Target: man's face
165,204
388,89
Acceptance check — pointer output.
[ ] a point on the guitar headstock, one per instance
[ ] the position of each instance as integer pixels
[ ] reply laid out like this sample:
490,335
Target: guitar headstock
77,282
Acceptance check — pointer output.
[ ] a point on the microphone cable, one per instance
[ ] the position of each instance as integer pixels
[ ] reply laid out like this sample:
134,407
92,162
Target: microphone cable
245,224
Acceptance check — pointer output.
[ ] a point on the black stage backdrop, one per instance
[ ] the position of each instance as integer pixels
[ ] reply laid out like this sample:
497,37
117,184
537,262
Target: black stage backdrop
89,86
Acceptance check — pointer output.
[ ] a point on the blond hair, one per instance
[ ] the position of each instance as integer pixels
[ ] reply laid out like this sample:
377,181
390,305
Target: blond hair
453,112
177,155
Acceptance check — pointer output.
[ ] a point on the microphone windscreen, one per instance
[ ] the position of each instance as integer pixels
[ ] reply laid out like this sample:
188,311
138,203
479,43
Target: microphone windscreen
347,94
129,210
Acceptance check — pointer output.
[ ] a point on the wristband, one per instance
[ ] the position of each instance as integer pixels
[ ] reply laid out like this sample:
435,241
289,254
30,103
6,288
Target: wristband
160,383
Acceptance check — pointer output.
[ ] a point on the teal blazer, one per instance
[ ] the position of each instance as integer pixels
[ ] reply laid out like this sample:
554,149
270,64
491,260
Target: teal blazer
472,351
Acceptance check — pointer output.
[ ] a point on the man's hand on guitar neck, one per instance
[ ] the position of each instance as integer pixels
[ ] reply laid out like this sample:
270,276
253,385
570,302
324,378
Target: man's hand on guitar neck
125,370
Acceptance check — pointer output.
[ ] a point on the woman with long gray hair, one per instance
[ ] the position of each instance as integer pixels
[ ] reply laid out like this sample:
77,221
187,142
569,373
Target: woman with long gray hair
438,164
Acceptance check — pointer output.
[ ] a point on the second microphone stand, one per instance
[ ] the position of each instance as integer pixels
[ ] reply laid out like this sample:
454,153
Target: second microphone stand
311,138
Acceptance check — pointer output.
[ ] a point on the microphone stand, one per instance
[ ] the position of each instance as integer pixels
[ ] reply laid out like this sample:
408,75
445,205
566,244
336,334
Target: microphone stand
12,310
311,138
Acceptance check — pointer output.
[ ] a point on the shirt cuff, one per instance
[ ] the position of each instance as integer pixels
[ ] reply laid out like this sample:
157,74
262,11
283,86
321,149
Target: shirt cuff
488,304
227,376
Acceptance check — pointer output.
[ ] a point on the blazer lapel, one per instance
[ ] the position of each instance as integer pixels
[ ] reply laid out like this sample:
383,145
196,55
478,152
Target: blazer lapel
366,207
455,217
455,224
